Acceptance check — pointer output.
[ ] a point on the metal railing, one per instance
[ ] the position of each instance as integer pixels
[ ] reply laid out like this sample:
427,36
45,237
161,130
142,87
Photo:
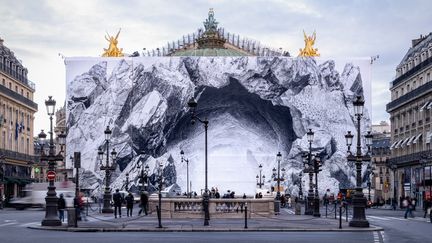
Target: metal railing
412,71
18,97
18,156
18,76
422,90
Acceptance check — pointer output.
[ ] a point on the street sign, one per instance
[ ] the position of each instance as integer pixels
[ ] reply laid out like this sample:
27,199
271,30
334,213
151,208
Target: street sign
51,175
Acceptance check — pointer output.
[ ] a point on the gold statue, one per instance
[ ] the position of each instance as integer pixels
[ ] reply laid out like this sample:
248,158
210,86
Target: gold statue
113,50
308,50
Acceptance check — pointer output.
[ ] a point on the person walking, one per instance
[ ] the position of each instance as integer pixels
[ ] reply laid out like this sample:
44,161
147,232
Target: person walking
61,206
426,207
408,207
143,203
129,204
118,200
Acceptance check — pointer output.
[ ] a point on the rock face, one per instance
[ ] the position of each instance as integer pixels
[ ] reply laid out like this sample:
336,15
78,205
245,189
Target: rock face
256,106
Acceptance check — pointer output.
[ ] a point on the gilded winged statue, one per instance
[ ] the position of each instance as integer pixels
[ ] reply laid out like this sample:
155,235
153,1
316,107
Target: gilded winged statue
113,50
308,50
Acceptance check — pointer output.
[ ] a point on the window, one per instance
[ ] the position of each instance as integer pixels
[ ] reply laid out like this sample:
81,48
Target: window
28,95
3,144
28,146
427,77
10,85
16,88
3,82
22,92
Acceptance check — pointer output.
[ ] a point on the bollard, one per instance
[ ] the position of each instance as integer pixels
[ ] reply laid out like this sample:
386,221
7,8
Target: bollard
335,210
158,210
346,210
246,218
87,206
340,217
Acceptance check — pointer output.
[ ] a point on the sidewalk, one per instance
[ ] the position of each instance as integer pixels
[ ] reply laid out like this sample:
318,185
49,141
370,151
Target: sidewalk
285,221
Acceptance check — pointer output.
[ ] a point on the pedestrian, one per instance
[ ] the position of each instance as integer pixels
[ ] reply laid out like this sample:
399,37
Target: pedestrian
427,207
217,194
414,204
408,207
143,203
61,206
244,195
129,204
289,202
81,205
118,200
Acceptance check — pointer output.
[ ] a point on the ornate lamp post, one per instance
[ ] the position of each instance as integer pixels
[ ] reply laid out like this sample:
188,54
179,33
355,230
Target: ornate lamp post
309,207
393,167
359,201
127,182
317,165
107,168
160,175
278,178
144,174
301,185
51,218
260,177
369,184
206,200
187,173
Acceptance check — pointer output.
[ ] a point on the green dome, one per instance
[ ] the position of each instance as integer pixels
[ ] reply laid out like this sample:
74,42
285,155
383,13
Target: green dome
209,52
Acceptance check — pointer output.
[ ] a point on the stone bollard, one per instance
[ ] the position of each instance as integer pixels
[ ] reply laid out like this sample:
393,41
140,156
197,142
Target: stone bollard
71,217
297,209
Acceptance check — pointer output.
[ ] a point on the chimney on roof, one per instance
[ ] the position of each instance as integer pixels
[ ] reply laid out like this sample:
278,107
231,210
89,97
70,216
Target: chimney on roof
417,41
1,41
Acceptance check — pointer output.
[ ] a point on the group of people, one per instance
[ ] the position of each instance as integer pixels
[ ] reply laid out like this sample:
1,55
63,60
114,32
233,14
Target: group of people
286,201
118,201
78,205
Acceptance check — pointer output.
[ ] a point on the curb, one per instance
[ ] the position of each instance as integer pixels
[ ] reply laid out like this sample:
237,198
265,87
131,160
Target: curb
202,229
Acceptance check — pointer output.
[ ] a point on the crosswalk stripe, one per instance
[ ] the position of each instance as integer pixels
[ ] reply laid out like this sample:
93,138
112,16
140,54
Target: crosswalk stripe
379,218
401,219
6,224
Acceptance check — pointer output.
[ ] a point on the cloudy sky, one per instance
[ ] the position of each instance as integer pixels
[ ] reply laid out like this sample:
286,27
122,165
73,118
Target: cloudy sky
37,31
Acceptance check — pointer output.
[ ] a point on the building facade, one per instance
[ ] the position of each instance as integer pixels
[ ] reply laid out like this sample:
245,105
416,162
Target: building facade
410,115
17,110
381,176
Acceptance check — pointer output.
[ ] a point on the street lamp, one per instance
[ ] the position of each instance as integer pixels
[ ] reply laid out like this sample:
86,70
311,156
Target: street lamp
300,186
393,167
317,165
187,173
260,177
107,168
206,200
127,182
309,206
159,212
144,174
359,201
51,218
278,178
370,173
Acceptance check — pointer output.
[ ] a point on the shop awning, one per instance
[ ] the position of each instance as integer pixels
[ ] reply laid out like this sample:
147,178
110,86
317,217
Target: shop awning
417,138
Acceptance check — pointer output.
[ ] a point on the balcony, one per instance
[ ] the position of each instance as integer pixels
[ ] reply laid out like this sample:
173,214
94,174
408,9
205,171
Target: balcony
411,72
411,159
18,76
18,97
8,154
416,93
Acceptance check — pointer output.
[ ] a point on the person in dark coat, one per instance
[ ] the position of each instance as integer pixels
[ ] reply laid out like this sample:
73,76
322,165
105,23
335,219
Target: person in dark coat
61,206
143,203
118,200
129,204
